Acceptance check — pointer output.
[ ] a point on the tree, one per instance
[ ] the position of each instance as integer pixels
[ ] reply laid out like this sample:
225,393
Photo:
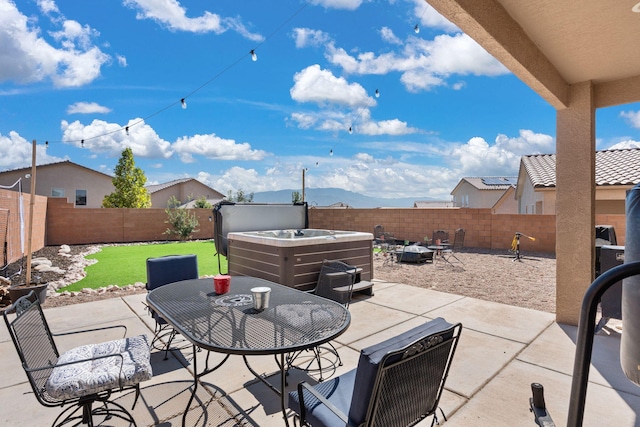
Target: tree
296,197
183,223
240,196
129,184
202,202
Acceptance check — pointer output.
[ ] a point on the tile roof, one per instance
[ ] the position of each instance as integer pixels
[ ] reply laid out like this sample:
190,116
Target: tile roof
613,167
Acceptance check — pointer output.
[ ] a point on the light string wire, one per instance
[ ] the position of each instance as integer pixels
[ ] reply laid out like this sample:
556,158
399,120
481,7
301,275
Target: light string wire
194,91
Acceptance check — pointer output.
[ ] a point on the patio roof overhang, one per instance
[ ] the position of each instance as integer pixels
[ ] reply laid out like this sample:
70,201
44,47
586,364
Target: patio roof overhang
551,45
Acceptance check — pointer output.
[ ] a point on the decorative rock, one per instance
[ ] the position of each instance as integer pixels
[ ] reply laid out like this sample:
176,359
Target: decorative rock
35,262
64,249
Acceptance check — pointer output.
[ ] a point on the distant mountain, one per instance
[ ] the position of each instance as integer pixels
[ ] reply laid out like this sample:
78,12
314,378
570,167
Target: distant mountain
330,196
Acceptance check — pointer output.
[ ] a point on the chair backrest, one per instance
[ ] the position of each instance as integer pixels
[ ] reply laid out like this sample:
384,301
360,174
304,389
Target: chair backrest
378,232
171,268
399,381
442,235
458,239
335,274
33,341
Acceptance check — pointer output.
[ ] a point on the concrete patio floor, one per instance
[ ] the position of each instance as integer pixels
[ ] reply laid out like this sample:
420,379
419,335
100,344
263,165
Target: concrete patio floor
502,350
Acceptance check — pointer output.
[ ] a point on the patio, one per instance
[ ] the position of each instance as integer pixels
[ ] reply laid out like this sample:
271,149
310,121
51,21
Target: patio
503,349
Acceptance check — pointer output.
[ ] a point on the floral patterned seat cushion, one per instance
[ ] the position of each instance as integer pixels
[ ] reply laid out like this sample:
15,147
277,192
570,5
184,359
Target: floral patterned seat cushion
93,376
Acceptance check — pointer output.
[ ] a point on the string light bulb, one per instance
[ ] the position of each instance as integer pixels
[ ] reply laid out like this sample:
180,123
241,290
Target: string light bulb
184,104
46,144
127,130
331,151
416,29
350,130
254,57
377,93
82,143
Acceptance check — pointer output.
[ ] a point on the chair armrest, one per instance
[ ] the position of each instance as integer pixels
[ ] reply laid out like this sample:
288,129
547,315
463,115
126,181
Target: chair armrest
59,334
322,399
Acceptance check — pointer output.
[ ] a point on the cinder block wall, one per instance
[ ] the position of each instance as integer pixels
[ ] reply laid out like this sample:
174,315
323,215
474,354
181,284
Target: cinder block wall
65,224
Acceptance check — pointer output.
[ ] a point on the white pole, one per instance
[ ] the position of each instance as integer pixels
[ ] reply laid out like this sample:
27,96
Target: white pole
31,204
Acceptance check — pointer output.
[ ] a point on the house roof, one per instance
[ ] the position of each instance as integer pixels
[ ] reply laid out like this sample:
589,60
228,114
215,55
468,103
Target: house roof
613,167
157,187
489,182
61,163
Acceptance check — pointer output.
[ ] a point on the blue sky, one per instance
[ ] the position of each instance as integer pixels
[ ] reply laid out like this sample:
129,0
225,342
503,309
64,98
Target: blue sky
73,71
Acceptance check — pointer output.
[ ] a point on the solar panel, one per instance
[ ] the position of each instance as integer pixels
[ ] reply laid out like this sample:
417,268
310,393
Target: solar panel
500,180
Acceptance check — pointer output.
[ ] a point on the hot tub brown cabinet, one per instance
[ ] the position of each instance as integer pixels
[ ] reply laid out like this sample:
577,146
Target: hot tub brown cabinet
294,257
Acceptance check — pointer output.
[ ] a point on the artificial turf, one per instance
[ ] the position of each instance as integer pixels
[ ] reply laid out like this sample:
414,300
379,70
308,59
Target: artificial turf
126,264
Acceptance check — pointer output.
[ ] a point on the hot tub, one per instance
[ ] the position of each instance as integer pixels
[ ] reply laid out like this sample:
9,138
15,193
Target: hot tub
293,257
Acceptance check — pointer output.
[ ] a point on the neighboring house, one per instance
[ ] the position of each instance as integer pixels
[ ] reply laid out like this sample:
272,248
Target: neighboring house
433,204
186,190
481,192
616,172
79,185
507,203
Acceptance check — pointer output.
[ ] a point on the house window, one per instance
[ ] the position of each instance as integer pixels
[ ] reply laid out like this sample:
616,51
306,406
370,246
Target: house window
57,192
81,197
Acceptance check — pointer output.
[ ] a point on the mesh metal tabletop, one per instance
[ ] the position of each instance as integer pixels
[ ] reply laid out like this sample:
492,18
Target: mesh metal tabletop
228,323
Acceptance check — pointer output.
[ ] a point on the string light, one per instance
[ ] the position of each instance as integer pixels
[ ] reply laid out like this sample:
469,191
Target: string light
377,93
416,29
183,102
46,144
350,130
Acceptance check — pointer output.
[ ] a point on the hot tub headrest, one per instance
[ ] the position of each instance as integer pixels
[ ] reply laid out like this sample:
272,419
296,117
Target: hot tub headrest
239,217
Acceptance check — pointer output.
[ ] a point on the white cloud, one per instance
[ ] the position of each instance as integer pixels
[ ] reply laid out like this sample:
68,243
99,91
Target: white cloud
122,60
305,37
386,127
16,152
104,137
632,118
213,147
173,15
338,4
388,36
87,108
321,87
26,57
478,158
423,64
630,143
48,6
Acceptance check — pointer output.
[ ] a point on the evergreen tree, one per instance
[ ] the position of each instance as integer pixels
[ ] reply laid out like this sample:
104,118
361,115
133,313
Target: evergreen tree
129,184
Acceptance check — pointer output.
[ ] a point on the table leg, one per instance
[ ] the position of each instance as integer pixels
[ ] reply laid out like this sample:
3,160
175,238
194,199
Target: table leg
281,392
196,376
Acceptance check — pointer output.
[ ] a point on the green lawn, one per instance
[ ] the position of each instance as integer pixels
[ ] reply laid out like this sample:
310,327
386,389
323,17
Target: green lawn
125,265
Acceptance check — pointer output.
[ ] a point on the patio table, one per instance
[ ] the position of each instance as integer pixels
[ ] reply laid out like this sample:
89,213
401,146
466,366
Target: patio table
229,324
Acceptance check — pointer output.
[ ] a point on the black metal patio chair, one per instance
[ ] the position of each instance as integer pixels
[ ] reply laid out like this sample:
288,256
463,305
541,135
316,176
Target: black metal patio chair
161,271
79,377
398,382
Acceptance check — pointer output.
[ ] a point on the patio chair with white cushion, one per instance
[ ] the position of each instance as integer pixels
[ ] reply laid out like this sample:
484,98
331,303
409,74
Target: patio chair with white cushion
82,376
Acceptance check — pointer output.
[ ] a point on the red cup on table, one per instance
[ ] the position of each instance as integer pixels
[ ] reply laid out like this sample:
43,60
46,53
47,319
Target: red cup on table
221,283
